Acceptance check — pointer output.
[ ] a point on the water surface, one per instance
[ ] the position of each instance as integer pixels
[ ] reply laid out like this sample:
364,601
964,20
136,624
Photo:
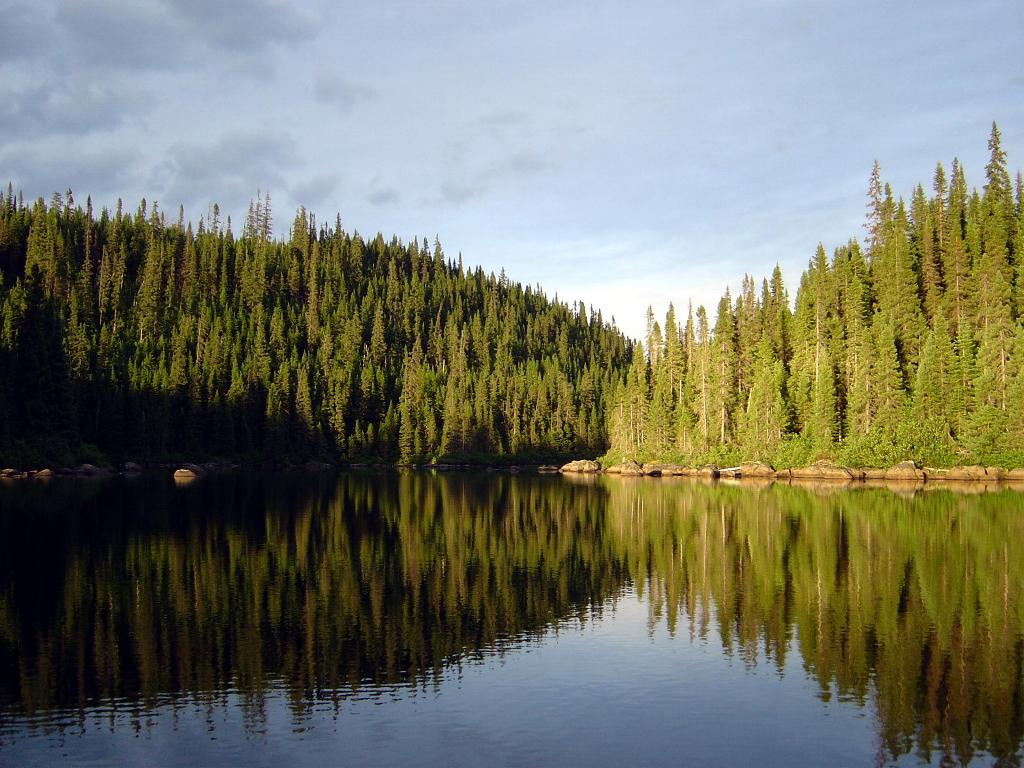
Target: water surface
378,619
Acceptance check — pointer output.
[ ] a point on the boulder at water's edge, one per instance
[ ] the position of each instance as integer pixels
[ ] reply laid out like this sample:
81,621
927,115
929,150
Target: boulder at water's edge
583,466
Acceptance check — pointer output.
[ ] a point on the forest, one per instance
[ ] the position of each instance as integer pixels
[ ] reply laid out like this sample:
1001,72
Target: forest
123,335
129,335
909,345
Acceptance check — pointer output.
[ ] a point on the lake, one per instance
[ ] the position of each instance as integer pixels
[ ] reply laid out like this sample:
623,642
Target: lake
481,618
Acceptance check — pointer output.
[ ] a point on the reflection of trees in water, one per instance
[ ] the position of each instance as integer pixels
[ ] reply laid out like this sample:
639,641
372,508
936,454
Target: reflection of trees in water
326,587
913,603
332,585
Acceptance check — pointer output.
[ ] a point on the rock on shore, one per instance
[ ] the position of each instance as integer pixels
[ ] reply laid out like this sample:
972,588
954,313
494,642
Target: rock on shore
905,471
822,470
581,466
667,470
756,469
971,473
629,468
188,472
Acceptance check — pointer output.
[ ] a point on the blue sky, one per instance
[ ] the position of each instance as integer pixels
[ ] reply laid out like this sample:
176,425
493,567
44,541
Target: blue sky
620,154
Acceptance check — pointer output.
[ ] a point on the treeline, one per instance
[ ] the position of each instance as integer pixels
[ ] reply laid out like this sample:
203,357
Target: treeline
137,337
911,346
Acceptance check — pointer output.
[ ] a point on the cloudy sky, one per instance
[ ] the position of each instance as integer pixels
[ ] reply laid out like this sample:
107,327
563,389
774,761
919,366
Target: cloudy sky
623,154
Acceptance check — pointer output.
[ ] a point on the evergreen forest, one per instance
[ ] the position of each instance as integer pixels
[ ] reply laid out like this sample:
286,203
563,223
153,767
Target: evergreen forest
132,335
123,335
908,345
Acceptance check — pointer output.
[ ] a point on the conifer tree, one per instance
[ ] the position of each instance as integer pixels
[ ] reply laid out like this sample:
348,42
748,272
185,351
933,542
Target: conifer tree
956,264
701,382
763,420
896,287
144,336
889,392
820,428
168,334
1010,442
933,409
923,252
909,349
722,384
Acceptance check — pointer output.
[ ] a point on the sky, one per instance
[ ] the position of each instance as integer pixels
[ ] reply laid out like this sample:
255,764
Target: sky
619,154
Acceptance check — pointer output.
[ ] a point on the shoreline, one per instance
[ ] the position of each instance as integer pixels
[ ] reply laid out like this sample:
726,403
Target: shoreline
905,476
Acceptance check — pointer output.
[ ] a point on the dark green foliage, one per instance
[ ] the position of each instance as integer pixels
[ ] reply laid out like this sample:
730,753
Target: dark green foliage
912,349
149,339
141,338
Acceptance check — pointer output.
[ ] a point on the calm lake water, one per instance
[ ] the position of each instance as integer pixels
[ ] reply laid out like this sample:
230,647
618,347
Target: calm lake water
386,619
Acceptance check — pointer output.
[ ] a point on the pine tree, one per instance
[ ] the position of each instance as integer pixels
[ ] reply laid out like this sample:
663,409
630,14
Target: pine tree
820,429
956,266
934,384
763,420
307,433
923,253
887,380
660,415
748,332
1018,252
777,318
1011,443
997,200
896,285
861,408
722,367
701,384
136,334
633,411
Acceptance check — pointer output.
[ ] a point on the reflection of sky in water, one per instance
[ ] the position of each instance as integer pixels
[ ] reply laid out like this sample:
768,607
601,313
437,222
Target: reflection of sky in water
406,618
602,692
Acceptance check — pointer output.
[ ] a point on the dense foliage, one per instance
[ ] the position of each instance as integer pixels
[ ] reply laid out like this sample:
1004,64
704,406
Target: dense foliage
909,347
147,339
